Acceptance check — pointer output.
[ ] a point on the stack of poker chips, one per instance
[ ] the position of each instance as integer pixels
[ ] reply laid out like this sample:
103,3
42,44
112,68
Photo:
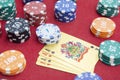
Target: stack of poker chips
109,52
48,33
65,10
88,76
7,9
108,8
35,13
12,62
18,30
103,27
26,1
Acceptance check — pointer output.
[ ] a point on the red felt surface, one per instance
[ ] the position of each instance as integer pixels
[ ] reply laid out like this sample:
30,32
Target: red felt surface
79,28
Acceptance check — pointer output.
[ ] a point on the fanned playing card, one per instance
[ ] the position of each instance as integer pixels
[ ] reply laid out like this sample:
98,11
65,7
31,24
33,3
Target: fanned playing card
46,61
74,54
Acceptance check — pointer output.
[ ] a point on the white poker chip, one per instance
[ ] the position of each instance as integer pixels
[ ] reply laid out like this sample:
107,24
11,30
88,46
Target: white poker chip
48,33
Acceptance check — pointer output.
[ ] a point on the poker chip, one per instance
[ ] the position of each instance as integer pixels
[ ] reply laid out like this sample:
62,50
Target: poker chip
65,10
88,76
119,2
26,1
35,13
109,52
12,62
108,8
7,9
103,27
48,33
18,30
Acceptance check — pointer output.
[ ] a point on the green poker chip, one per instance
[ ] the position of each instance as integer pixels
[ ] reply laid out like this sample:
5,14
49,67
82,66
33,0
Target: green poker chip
109,3
105,9
108,58
10,16
110,48
7,9
110,52
109,63
6,3
112,63
119,2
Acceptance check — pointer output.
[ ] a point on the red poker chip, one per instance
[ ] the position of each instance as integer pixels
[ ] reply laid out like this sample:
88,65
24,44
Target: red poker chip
35,13
35,8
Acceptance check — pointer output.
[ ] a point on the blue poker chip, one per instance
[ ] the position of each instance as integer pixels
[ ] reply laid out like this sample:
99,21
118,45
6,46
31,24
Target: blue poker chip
26,1
88,76
65,10
65,6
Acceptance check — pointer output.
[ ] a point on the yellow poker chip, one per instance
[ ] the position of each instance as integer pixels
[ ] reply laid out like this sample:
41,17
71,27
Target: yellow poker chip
12,62
103,27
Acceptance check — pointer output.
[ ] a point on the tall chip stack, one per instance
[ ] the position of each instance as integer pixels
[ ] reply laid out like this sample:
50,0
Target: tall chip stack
35,13
12,62
18,30
48,33
65,10
109,52
7,9
103,27
108,8
26,1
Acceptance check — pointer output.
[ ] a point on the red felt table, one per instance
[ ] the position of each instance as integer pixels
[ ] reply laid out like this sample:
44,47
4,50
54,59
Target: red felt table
86,12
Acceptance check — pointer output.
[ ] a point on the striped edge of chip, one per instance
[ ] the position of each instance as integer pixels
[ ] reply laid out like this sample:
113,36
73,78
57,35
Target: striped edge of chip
109,52
103,27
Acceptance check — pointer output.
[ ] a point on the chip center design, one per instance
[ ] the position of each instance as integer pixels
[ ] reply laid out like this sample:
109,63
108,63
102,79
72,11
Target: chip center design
17,25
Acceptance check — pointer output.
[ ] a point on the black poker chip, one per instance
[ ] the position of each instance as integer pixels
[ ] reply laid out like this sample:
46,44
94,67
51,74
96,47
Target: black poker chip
18,30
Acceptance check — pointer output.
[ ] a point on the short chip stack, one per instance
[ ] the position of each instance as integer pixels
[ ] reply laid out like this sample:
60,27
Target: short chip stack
26,1
109,52
35,13
103,27
12,62
7,9
48,33
18,30
88,76
108,8
65,10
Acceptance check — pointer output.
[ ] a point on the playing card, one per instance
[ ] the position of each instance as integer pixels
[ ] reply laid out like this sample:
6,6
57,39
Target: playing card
50,54
79,53
47,62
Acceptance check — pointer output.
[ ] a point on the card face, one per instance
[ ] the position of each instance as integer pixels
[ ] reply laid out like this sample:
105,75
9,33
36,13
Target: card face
50,54
76,52
47,62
